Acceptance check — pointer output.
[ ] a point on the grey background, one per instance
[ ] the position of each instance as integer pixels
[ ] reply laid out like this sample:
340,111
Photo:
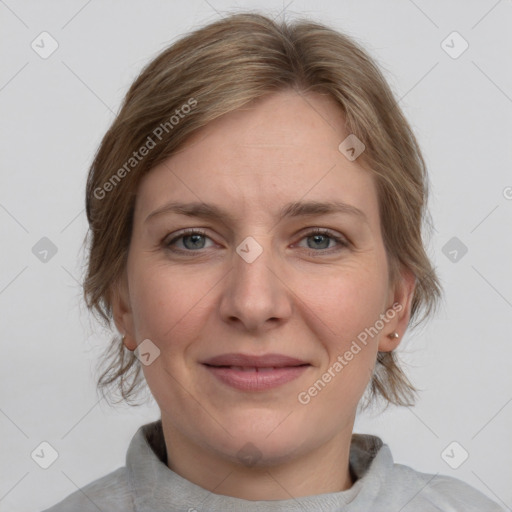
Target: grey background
54,112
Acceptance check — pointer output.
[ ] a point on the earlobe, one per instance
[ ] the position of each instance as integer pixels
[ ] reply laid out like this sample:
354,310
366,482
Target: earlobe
389,342
129,345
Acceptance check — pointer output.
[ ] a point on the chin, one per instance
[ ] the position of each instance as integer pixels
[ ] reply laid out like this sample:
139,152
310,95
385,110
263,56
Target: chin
260,440
262,452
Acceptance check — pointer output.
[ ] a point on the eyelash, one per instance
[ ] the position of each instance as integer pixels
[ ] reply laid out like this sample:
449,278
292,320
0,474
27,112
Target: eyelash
342,242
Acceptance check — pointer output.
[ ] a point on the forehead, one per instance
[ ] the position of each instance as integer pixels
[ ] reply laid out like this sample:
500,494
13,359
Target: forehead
278,149
275,125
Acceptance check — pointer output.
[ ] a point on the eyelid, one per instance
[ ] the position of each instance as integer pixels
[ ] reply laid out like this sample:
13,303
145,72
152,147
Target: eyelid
312,230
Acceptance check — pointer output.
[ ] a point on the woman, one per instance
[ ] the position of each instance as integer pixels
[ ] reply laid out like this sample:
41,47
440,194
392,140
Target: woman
255,212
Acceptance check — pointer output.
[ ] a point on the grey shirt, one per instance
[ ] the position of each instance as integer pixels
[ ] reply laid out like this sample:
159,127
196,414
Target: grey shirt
146,484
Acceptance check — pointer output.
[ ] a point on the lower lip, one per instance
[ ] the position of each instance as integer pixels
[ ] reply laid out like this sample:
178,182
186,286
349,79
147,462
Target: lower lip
256,380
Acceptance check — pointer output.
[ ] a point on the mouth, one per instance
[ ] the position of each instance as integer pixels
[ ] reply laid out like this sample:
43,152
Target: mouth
255,373
261,369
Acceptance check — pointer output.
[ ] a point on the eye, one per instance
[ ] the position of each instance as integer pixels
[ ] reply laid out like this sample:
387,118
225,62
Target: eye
191,240
322,240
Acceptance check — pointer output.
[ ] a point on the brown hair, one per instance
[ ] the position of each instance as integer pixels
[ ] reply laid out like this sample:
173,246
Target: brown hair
215,70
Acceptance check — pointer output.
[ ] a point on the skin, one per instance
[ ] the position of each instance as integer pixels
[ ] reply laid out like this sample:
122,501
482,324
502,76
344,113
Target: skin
304,296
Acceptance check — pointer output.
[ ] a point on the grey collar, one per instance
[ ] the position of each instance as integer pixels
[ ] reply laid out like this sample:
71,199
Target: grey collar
156,488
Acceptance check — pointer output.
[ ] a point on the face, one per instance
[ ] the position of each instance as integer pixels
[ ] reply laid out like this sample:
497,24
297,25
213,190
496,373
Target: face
262,278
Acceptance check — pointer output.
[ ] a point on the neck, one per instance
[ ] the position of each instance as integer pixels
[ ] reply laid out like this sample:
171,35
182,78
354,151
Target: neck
324,469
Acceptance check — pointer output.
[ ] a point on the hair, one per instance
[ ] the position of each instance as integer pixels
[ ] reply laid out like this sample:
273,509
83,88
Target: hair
215,70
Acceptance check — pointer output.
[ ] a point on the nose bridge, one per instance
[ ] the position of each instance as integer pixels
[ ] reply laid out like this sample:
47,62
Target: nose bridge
254,293
253,264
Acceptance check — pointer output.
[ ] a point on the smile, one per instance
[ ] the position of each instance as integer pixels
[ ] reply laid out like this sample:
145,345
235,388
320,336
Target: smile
245,378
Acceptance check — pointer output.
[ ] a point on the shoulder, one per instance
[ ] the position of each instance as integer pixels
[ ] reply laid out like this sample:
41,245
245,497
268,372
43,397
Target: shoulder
385,485
110,493
436,492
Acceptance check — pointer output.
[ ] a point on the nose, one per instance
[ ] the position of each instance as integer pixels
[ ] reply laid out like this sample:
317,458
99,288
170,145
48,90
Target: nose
255,296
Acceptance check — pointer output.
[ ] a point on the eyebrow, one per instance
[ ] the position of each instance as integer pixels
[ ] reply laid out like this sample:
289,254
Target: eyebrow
290,210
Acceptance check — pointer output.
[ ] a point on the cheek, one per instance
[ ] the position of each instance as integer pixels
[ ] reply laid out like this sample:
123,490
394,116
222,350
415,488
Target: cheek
343,313
346,300
170,304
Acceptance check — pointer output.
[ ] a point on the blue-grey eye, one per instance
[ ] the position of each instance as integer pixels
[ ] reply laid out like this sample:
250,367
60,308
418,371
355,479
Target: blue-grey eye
319,241
197,241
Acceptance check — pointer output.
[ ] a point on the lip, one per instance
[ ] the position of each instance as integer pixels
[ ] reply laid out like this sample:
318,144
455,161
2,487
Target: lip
255,373
246,360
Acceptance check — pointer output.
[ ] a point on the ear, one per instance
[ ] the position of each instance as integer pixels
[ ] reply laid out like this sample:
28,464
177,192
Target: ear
122,312
400,302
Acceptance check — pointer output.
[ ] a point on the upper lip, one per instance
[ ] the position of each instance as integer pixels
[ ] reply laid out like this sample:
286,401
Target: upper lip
264,361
